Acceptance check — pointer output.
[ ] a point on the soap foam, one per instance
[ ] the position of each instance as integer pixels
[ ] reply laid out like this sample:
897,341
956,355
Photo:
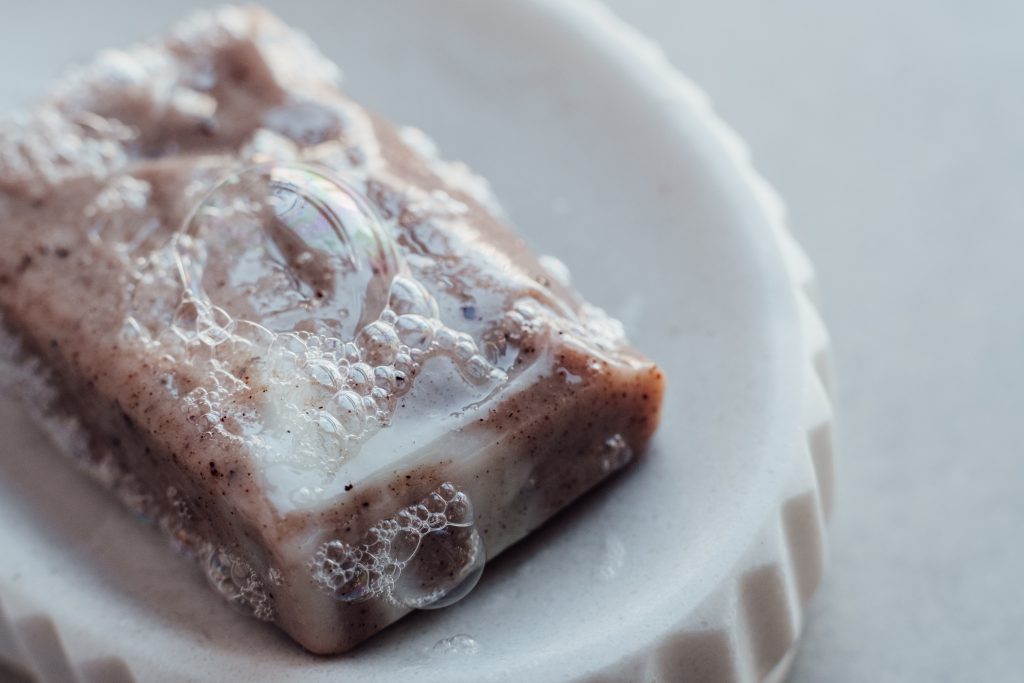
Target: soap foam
428,555
42,148
237,582
328,328
231,576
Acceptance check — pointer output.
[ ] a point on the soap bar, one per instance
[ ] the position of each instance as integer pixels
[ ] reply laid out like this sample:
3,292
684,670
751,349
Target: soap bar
287,332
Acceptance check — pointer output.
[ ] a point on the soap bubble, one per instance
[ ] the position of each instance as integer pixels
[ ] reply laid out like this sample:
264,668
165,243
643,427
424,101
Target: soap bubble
289,247
427,556
295,296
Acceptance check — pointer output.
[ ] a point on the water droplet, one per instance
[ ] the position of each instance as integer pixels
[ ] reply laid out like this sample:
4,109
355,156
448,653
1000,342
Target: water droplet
460,644
613,557
616,453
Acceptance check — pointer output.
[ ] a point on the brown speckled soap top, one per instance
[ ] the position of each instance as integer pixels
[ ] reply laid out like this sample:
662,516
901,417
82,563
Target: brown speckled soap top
293,335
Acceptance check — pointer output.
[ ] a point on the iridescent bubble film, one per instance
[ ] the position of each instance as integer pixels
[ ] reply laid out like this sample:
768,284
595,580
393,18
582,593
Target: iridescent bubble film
291,248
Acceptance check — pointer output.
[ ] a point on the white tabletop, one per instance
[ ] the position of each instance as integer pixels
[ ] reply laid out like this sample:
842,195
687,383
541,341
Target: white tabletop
895,131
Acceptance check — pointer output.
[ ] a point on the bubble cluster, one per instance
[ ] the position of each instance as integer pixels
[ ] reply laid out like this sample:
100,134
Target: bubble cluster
542,313
237,582
176,521
230,575
293,289
454,173
428,555
45,147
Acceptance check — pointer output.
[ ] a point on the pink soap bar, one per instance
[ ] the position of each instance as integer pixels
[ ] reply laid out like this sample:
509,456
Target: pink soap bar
287,332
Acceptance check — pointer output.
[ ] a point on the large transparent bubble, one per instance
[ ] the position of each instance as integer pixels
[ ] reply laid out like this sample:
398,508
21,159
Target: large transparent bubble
291,248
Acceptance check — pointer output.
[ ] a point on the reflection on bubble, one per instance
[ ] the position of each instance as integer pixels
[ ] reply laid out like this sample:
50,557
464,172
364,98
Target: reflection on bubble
290,248
429,555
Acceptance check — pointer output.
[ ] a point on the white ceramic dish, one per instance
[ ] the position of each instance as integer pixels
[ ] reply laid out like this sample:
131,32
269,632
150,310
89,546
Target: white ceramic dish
694,565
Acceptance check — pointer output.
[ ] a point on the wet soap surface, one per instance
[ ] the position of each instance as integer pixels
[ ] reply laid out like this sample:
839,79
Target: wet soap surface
290,299
294,285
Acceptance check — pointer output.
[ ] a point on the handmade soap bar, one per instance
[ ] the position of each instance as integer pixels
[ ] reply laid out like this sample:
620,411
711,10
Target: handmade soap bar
294,337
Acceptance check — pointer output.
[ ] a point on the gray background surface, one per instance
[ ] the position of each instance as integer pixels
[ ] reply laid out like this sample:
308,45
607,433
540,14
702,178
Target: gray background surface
895,131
